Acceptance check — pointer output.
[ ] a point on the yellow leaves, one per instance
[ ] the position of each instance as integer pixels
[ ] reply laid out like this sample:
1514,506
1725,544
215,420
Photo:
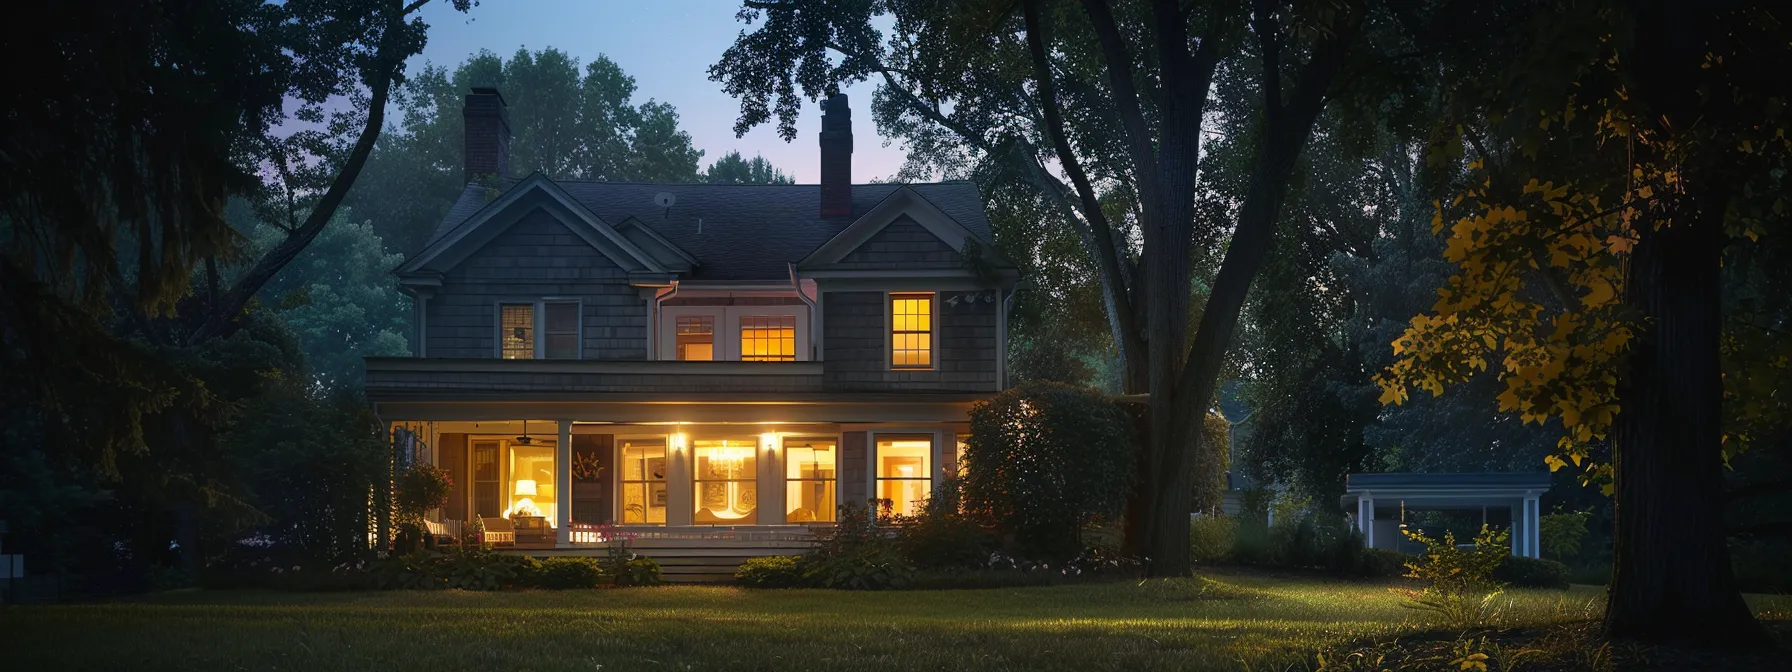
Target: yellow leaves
1601,294
1645,192
1747,147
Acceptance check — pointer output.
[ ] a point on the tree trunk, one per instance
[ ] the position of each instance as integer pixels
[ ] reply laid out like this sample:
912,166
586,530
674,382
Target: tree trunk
1671,575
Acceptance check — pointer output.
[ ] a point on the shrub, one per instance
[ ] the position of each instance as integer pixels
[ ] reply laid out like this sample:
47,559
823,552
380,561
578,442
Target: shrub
640,571
1533,573
1380,563
1043,460
1211,538
1458,583
420,488
565,574
940,535
1561,533
466,569
778,571
862,567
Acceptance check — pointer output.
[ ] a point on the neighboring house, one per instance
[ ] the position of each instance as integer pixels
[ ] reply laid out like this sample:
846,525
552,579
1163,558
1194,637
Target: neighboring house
692,361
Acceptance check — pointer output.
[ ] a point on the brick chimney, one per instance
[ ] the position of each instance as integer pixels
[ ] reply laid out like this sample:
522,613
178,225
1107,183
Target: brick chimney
836,157
488,133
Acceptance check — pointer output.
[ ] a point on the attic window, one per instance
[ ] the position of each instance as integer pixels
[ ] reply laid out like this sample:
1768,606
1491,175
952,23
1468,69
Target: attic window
516,327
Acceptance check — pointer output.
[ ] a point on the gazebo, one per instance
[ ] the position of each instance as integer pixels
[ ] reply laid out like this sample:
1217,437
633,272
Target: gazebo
1377,500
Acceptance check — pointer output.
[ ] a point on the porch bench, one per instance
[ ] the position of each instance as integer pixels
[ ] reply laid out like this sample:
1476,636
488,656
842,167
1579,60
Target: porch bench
498,531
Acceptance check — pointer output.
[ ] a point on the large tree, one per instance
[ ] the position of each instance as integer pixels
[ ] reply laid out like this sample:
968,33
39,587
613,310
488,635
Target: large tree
1615,151
567,121
1103,107
732,169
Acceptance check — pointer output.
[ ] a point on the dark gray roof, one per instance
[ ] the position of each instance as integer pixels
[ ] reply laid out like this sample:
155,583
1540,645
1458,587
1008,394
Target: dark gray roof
748,232
1473,481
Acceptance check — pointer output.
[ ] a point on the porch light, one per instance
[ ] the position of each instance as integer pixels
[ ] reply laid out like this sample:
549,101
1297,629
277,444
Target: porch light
770,441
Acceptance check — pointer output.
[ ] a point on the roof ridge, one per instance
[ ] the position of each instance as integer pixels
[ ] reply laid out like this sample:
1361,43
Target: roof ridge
742,184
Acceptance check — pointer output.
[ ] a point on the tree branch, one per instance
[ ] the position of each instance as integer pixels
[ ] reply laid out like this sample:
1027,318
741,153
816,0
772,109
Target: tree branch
222,319
1108,257
1126,96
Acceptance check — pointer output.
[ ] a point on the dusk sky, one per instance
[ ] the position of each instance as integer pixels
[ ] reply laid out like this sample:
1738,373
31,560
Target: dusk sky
667,46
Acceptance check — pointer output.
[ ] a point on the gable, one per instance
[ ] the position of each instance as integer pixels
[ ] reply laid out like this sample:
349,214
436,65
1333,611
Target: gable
905,231
534,196
903,243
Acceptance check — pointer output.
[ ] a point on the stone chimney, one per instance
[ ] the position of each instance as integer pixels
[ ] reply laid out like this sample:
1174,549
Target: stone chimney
488,133
836,157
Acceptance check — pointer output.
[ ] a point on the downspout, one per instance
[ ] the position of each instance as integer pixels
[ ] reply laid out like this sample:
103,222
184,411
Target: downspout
653,349
814,312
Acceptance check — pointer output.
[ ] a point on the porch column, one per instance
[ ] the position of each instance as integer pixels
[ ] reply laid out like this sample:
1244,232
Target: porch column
1533,527
1517,529
563,486
1365,517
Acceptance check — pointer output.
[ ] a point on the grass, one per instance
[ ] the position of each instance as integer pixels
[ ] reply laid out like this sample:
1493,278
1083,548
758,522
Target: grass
1237,622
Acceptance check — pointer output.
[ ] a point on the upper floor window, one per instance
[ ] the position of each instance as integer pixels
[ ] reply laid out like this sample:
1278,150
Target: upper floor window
696,338
538,330
768,338
911,331
516,324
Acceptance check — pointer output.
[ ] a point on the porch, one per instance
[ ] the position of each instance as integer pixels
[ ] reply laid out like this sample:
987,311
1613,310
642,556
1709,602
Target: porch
1378,503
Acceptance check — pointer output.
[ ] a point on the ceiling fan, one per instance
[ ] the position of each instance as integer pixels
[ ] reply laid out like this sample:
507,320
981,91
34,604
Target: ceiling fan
525,439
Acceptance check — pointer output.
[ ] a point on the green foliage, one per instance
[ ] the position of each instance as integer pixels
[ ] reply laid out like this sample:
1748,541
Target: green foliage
777,571
860,553
1525,572
1562,533
1211,538
732,169
567,121
337,296
564,574
635,570
420,488
1381,563
940,535
1458,584
1043,460
463,569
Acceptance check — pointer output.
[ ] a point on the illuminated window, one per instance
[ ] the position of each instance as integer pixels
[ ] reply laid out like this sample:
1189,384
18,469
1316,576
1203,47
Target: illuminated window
562,330
768,338
485,479
911,331
696,336
726,475
516,330
644,481
809,479
904,471
530,488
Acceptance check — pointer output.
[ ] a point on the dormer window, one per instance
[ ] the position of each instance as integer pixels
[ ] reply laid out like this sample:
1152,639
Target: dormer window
768,338
539,330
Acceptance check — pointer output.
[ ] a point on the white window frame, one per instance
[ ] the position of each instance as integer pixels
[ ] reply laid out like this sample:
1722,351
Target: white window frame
539,314
727,320
933,454
933,335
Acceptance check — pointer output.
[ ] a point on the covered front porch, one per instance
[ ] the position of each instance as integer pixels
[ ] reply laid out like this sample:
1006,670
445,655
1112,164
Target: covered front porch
580,486
1377,503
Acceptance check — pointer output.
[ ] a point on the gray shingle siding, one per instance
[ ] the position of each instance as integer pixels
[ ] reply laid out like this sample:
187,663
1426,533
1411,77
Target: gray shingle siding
856,360
537,257
903,244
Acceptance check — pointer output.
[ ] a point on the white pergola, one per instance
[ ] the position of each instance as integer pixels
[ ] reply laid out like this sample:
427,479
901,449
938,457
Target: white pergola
1446,492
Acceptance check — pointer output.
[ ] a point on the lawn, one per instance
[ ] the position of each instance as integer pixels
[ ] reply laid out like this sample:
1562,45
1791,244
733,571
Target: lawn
1239,622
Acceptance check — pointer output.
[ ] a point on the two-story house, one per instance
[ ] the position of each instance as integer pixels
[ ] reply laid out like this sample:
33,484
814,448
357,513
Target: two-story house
702,360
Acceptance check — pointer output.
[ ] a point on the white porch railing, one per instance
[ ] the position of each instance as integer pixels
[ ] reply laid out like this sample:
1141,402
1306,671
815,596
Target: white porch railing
584,534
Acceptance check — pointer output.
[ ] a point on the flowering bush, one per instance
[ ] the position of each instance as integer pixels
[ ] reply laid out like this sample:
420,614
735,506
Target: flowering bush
421,488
